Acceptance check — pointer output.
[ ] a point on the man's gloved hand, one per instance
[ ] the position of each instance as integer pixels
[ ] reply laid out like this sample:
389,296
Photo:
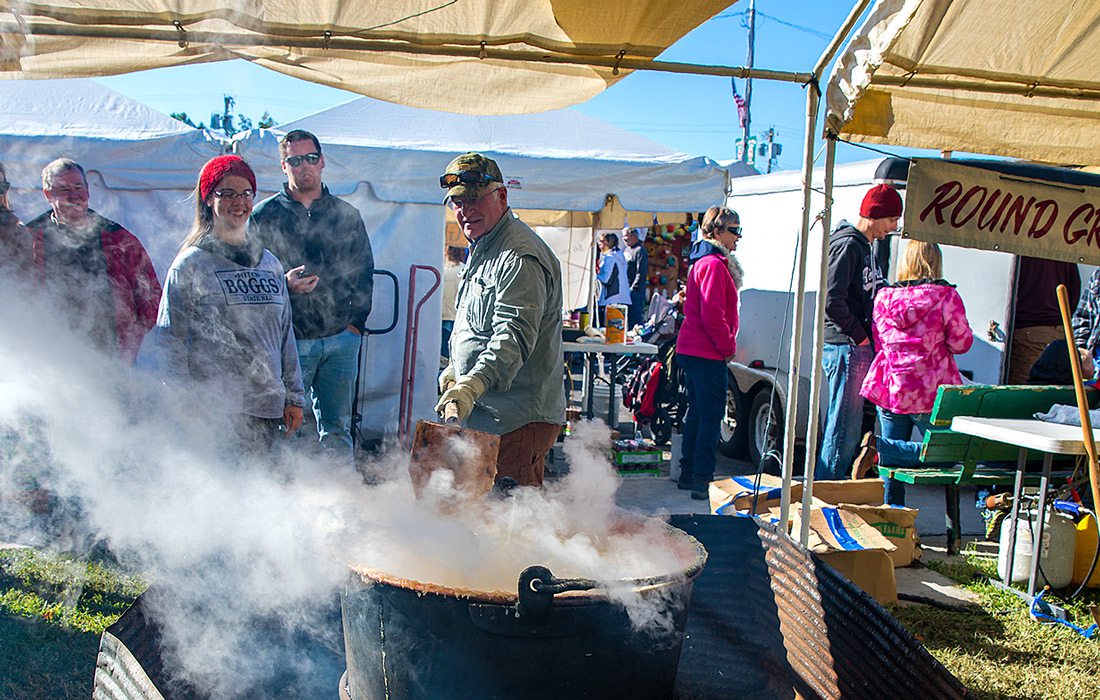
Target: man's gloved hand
447,379
464,393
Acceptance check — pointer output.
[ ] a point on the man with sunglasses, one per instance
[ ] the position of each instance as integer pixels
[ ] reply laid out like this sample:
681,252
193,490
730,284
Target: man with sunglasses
323,245
96,272
505,373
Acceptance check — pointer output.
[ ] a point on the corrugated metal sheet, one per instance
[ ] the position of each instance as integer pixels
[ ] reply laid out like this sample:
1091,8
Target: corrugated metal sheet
770,620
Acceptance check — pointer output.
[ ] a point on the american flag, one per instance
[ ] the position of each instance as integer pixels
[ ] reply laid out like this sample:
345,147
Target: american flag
742,106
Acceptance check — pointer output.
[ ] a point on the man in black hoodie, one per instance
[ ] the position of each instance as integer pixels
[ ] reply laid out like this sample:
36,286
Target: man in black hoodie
852,282
322,242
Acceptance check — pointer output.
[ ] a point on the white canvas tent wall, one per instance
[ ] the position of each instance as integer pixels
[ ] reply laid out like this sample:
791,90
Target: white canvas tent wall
386,160
141,164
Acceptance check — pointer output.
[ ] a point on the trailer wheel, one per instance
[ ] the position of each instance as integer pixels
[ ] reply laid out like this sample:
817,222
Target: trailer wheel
765,431
734,430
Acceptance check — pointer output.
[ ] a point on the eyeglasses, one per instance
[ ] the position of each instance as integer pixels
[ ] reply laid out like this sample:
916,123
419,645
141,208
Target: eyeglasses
230,194
467,202
467,178
735,230
4,186
295,161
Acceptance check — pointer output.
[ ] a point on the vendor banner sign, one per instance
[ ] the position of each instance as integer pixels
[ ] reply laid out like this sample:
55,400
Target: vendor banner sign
969,206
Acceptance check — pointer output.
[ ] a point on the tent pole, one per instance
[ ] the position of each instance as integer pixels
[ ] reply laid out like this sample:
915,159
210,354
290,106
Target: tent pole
819,341
813,96
226,41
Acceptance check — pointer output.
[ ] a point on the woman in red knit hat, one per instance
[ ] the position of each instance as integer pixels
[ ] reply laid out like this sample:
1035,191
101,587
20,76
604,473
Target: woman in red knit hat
225,317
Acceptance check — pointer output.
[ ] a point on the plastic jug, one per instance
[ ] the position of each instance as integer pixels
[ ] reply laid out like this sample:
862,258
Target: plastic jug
1086,548
1056,550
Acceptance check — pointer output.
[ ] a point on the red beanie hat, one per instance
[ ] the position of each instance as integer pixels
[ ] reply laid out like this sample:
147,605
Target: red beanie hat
881,202
218,168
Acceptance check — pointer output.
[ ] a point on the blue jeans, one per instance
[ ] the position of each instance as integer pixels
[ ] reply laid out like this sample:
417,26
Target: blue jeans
706,390
446,328
329,366
636,314
845,368
896,448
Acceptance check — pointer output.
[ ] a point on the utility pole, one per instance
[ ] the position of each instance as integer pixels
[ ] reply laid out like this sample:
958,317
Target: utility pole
748,81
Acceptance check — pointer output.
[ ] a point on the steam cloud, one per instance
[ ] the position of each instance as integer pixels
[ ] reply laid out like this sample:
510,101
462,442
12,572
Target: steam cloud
238,545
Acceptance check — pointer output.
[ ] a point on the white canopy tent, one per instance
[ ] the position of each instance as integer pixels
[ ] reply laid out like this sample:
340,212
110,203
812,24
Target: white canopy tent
141,164
386,159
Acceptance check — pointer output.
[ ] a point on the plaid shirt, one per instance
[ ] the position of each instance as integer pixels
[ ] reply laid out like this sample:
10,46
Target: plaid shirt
1086,319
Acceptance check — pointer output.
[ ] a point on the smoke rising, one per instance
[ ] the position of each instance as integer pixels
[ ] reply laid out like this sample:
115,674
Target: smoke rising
246,551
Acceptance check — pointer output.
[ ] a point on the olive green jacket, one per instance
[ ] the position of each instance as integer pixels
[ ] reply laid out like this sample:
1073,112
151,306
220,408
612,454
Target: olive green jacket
507,328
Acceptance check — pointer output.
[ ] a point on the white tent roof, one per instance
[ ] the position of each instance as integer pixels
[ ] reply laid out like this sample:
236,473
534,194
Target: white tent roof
559,160
983,76
130,144
485,56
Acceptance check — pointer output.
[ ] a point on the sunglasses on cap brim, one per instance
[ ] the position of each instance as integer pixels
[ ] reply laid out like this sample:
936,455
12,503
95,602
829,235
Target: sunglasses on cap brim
466,178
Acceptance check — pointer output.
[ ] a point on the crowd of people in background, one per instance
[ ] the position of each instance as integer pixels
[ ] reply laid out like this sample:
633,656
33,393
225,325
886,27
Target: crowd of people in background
266,305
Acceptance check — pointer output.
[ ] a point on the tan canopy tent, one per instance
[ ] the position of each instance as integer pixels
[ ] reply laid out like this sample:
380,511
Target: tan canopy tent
985,76
474,56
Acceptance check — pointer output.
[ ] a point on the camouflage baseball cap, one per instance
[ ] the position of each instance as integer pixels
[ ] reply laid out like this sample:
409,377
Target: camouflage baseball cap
468,175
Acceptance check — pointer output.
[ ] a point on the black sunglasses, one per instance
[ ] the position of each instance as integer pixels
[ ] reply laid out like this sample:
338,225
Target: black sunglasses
735,230
467,178
4,186
295,161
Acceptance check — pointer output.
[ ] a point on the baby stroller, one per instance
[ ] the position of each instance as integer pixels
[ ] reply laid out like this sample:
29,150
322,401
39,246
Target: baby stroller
653,389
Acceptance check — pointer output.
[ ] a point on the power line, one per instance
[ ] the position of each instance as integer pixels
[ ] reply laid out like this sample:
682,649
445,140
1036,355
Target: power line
744,14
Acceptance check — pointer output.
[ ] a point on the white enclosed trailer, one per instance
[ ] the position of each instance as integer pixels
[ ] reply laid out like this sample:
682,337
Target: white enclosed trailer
770,210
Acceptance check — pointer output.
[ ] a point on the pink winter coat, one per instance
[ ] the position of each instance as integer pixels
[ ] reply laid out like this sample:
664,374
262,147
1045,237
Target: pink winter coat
918,327
710,306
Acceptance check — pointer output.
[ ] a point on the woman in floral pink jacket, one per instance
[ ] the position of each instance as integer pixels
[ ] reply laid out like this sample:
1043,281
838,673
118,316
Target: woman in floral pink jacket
919,326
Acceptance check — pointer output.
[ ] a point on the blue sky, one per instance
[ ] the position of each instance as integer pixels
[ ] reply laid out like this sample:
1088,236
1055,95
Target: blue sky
693,114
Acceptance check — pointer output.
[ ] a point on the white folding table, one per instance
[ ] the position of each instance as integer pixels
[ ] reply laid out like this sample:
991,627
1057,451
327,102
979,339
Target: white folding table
591,350
1027,434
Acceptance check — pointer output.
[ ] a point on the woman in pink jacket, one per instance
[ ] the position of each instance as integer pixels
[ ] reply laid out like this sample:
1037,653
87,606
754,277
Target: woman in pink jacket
919,326
708,337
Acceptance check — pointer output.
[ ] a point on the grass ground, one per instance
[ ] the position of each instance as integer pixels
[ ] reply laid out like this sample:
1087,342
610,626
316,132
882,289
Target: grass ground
53,610
998,650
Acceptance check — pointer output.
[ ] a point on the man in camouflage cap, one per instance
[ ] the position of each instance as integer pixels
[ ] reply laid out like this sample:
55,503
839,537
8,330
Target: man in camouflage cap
505,373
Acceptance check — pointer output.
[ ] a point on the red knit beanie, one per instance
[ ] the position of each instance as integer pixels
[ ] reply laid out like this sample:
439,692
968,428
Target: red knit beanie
218,168
881,202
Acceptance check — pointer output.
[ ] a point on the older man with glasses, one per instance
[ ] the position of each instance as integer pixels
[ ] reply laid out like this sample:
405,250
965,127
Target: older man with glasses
97,273
505,373
323,244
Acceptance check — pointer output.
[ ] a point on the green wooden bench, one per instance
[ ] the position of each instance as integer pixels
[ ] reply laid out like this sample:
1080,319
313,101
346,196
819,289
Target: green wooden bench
962,460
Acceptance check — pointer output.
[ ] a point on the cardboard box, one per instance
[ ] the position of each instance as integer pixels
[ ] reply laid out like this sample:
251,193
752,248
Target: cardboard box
624,457
870,569
895,524
835,530
857,491
736,493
